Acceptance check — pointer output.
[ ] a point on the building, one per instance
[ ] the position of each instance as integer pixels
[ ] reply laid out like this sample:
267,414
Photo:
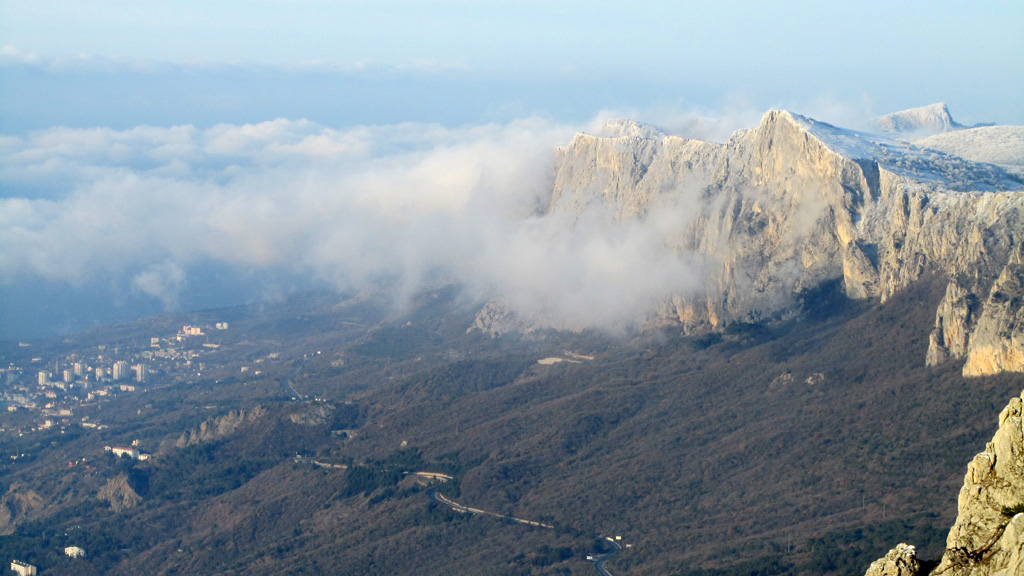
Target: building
80,369
191,331
129,452
141,372
100,373
74,552
132,453
120,371
44,377
23,568
222,325
69,376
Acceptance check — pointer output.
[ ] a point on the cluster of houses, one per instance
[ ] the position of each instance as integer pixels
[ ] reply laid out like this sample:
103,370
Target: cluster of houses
66,383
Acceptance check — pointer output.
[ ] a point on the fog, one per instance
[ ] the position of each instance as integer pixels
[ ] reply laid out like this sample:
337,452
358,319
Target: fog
167,219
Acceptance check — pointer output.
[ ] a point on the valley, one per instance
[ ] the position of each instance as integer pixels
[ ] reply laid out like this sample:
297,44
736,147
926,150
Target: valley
804,446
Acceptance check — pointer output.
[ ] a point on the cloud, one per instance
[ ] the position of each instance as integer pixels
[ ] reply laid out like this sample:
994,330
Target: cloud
161,281
12,55
401,204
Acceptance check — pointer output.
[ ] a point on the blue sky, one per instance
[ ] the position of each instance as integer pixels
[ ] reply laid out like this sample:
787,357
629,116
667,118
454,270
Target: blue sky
351,62
161,156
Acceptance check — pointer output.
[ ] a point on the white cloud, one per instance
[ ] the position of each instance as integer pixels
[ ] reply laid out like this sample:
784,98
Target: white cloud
11,54
402,202
162,281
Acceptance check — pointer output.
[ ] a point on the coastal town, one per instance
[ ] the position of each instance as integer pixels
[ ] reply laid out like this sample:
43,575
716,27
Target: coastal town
70,388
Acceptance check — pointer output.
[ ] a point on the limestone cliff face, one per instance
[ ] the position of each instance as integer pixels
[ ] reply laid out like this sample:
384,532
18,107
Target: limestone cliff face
219,426
783,207
998,341
988,536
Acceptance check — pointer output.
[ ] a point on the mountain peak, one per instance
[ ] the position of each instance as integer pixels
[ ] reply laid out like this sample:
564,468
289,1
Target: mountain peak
626,128
920,121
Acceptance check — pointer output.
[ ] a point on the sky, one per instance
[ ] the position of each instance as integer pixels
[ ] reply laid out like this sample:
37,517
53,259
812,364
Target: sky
159,156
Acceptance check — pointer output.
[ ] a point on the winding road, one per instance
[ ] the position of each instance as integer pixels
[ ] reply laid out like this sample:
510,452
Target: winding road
599,560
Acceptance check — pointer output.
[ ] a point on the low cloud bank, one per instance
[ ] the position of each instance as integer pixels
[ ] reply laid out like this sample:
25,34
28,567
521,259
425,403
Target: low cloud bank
400,204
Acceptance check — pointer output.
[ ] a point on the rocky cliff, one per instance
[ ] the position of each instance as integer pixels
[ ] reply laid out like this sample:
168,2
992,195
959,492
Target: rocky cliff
219,426
795,204
119,494
988,536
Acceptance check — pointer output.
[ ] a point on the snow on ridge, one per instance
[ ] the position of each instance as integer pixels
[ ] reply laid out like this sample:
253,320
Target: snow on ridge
920,121
926,165
626,128
1000,145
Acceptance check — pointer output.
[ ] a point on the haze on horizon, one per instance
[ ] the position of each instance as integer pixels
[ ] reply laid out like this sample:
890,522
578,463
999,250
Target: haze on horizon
177,155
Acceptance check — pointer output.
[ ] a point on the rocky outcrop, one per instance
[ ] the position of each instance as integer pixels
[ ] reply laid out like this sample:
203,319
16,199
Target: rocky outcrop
988,536
119,494
786,207
16,506
315,415
900,561
220,426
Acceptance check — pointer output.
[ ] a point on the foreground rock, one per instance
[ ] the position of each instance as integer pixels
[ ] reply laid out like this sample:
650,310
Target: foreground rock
900,561
988,536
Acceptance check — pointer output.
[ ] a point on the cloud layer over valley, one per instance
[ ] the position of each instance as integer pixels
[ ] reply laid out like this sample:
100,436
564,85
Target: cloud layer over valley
263,209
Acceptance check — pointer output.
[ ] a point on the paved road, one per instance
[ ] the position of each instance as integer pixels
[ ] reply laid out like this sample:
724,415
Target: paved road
599,560
456,506
290,384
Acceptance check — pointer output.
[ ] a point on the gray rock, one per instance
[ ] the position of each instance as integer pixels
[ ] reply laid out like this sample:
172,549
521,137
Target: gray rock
900,561
988,536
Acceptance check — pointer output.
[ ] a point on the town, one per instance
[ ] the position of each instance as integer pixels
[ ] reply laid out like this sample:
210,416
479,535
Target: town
43,393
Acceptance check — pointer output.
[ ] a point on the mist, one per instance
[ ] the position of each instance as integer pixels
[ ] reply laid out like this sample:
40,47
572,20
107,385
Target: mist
154,219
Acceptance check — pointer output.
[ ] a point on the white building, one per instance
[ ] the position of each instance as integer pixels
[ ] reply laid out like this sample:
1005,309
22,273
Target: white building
129,452
141,372
120,370
44,377
23,568
74,552
132,453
